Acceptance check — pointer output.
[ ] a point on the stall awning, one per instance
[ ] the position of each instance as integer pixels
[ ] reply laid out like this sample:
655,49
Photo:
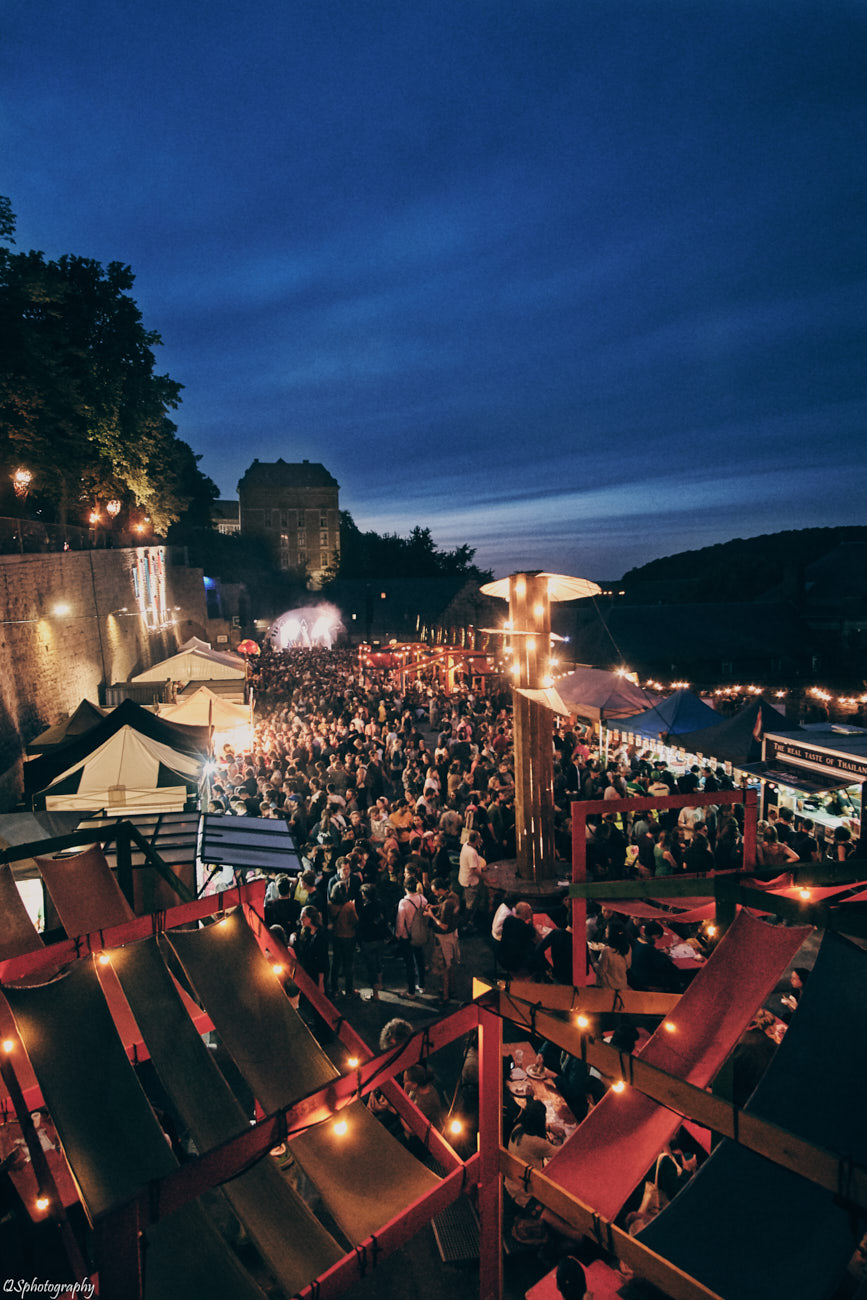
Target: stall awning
796,778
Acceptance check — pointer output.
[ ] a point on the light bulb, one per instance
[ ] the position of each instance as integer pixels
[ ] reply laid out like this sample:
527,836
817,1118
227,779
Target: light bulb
341,1127
456,1127
619,1086
582,1021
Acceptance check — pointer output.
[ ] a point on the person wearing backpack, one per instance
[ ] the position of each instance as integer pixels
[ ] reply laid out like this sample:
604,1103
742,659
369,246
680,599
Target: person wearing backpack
411,931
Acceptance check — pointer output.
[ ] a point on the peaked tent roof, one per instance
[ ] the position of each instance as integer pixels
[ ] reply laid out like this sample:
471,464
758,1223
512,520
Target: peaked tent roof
590,693
195,661
203,709
678,713
738,739
87,715
129,772
41,772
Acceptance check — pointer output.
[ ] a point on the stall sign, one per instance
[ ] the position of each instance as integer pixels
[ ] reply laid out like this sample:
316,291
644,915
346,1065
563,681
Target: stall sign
820,760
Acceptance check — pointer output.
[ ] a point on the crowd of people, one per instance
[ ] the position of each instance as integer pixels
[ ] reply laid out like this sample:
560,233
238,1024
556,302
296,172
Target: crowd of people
399,799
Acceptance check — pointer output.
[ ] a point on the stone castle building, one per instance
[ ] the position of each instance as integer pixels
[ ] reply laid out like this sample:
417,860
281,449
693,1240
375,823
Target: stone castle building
296,507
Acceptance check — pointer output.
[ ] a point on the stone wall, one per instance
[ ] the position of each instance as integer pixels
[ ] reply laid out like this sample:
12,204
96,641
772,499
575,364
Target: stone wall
73,621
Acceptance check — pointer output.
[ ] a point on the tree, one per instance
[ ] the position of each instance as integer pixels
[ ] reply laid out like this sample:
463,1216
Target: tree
387,555
81,404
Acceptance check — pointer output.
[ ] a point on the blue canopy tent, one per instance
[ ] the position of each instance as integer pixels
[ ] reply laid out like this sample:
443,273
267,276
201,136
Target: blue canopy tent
680,713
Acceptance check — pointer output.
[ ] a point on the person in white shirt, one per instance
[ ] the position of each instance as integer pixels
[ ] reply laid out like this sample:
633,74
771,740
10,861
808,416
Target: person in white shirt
506,908
470,870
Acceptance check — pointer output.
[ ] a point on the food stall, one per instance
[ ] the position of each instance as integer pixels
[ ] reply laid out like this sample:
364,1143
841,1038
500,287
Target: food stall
820,773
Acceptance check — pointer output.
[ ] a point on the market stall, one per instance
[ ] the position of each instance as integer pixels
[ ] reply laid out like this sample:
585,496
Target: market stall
819,773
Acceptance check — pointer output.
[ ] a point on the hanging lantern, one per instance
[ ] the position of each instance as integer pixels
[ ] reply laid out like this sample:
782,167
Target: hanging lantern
113,508
21,480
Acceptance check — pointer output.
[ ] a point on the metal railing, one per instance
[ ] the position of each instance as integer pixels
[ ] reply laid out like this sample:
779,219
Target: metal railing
32,536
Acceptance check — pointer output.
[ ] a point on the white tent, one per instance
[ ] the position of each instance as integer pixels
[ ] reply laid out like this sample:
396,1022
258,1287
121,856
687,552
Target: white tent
591,693
196,662
232,723
129,773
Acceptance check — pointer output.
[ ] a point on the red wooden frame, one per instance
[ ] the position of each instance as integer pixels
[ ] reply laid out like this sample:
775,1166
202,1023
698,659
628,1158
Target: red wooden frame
580,811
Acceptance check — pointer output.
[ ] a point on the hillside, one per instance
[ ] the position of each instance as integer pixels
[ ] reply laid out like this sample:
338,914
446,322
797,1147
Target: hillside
742,569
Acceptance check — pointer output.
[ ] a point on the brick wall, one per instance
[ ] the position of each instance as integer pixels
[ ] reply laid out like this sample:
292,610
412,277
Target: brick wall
71,621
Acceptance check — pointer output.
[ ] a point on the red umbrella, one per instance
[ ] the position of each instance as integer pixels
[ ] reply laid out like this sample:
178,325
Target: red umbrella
248,647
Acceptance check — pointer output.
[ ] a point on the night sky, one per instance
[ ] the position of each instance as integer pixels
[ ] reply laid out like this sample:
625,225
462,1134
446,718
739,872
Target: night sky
579,283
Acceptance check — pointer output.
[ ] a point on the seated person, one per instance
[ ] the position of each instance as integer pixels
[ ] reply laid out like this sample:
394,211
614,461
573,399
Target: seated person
518,944
578,1086
529,1142
559,942
652,971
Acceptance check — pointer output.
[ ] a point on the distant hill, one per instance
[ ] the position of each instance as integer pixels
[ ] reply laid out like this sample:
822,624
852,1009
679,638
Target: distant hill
742,569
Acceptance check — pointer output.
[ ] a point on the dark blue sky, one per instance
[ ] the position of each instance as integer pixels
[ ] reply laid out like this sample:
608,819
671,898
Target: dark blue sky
580,283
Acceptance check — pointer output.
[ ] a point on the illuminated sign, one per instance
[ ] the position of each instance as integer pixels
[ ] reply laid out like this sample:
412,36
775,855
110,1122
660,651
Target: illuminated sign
819,760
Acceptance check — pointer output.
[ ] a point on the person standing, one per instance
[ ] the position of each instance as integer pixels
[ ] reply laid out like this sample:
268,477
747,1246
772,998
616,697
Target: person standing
472,864
411,932
344,924
373,933
444,915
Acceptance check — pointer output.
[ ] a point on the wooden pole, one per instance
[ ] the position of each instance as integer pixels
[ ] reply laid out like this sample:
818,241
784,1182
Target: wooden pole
530,616
490,1182
580,972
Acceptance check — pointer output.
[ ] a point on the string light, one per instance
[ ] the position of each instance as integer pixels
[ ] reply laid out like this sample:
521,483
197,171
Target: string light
104,959
278,968
619,1086
341,1128
456,1128
805,894
353,1062
582,1021
8,1045
670,1026
42,1203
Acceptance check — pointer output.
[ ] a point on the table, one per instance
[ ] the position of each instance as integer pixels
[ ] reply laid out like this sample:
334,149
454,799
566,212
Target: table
560,1120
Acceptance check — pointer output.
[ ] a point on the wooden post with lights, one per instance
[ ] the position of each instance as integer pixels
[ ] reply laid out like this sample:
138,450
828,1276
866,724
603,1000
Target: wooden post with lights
528,630
530,611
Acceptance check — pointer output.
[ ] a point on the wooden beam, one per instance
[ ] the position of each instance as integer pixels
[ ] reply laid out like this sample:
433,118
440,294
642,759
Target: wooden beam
154,860
663,887
671,1280
592,999
828,1169
490,1182
823,915
45,847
